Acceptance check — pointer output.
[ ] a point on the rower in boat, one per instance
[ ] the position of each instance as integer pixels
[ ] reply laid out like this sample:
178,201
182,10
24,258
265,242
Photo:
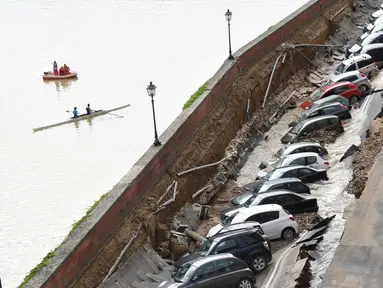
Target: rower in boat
75,112
88,110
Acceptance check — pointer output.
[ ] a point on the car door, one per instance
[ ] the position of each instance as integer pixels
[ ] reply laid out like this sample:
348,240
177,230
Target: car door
333,110
204,276
364,65
299,161
299,187
352,67
377,55
307,175
225,274
283,186
267,221
230,245
291,174
290,202
351,79
342,90
307,129
312,161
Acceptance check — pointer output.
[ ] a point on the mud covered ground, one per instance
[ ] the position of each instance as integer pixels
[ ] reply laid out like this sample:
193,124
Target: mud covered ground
365,157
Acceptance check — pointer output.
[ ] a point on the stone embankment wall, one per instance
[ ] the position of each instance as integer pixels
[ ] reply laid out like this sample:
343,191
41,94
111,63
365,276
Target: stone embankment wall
198,136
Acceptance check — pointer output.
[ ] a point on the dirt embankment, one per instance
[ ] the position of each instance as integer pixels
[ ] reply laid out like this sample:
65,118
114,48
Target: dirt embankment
365,157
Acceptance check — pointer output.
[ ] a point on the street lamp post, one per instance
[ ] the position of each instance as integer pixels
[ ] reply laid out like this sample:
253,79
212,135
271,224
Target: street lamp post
151,92
228,15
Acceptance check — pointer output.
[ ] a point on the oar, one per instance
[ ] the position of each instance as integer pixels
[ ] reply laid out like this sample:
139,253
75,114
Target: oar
116,115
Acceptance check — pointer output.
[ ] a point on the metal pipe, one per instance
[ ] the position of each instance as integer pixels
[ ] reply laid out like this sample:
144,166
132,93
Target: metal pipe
194,235
135,234
271,79
201,167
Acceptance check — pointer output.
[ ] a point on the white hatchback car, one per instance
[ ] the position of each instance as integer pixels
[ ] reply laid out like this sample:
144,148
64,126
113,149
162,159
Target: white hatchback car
311,159
275,221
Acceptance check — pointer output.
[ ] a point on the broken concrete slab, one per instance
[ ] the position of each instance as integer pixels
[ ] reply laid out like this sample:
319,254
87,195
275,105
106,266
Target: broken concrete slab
143,276
324,222
312,234
313,254
156,278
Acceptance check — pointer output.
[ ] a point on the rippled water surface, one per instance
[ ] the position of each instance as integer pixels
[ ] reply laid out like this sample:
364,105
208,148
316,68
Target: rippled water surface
49,178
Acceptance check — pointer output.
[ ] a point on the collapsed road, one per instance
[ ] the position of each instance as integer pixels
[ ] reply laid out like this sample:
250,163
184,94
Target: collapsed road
332,195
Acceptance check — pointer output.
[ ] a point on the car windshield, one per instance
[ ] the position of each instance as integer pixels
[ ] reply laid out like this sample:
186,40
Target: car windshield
229,219
252,201
254,187
268,175
185,273
280,152
204,248
305,114
296,128
278,163
340,68
316,95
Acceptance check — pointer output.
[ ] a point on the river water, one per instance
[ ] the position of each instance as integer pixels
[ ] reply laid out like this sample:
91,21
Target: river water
49,178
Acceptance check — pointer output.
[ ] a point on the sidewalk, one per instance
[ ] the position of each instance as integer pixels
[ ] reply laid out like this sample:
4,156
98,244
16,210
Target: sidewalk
358,261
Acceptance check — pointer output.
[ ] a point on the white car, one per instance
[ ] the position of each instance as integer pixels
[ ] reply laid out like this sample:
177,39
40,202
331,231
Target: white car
311,159
372,38
294,148
275,221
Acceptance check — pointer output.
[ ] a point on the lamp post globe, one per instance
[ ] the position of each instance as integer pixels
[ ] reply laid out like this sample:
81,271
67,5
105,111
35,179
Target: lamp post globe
151,89
228,16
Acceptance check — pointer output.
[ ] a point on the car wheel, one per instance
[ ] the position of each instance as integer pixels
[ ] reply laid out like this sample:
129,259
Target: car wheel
363,88
258,264
373,73
245,283
288,233
353,100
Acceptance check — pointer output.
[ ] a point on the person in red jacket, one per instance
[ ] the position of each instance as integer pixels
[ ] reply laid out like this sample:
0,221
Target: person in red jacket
62,70
66,69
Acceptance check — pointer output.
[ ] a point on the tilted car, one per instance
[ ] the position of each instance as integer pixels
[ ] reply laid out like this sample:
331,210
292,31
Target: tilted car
371,38
275,221
311,159
334,108
376,53
354,77
215,271
238,226
305,173
246,244
344,88
293,202
362,62
303,128
293,148
262,186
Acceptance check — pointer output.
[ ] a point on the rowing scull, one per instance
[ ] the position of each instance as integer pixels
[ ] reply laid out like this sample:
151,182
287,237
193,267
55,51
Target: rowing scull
81,117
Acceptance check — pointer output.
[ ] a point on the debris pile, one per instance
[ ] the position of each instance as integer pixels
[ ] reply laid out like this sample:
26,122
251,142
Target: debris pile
365,157
322,137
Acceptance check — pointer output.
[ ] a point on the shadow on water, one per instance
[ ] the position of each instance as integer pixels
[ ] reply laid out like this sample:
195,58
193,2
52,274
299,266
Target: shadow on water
63,84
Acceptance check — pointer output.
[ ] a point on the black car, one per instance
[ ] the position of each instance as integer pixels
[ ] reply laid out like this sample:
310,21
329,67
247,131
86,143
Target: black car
293,202
214,271
303,128
262,186
306,174
246,244
334,108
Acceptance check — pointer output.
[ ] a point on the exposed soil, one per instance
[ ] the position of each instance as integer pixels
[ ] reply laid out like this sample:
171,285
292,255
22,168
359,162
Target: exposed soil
365,157
322,136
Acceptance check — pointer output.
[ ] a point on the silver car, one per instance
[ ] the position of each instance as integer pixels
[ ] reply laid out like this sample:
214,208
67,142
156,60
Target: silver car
363,62
355,77
293,149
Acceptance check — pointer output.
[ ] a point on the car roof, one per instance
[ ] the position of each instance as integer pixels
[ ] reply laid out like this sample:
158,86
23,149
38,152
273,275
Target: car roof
315,108
356,58
335,85
221,236
292,167
371,46
294,146
300,155
314,119
247,211
274,193
281,181
328,98
336,78
207,259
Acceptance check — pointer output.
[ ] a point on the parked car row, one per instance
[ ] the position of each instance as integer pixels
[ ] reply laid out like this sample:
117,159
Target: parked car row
239,246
